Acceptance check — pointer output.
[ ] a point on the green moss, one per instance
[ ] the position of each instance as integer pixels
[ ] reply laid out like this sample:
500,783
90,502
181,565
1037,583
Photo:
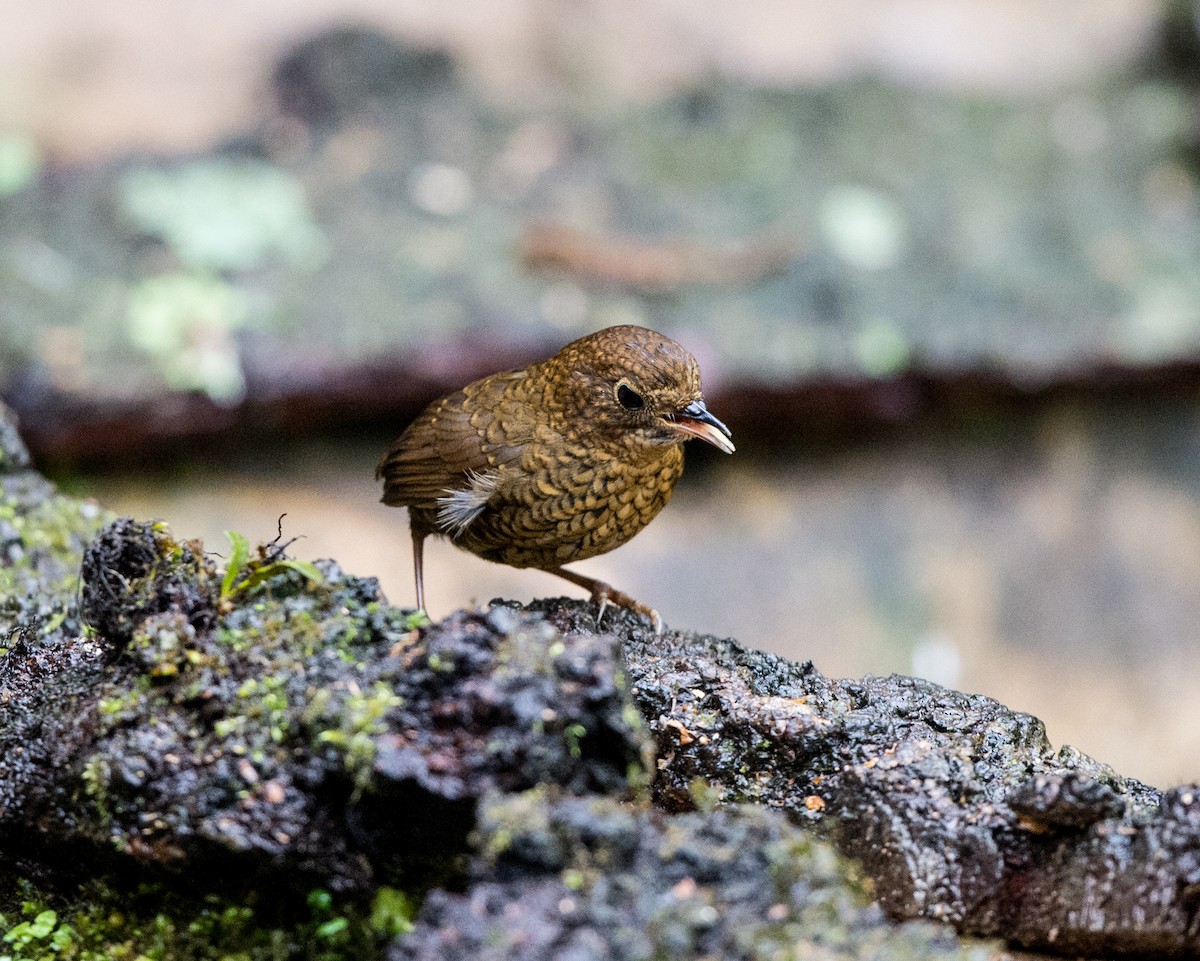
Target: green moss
42,537
95,776
392,912
362,718
574,735
519,815
248,690
530,651
101,924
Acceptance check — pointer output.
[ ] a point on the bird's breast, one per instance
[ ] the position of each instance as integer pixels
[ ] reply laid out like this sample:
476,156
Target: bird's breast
567,502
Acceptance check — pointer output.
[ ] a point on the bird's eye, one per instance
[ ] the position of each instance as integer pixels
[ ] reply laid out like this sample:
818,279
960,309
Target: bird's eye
629,398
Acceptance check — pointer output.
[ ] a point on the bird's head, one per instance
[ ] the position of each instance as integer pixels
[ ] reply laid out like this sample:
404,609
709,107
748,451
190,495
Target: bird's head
635,383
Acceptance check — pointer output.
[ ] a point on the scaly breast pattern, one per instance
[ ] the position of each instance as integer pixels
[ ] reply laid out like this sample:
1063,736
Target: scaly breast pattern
567,501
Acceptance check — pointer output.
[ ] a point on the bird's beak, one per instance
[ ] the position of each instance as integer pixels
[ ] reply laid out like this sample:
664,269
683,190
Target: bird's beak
695,421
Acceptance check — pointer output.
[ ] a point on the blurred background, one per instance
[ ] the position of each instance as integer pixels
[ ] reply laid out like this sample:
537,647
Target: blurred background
939,260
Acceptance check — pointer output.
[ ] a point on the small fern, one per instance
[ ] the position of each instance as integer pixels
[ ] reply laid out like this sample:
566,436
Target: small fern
243,574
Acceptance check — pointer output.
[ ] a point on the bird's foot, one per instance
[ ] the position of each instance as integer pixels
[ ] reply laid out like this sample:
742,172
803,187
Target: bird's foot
606,596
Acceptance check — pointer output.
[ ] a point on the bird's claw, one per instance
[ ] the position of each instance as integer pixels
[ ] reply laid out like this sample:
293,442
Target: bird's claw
655,621
606,596
602,606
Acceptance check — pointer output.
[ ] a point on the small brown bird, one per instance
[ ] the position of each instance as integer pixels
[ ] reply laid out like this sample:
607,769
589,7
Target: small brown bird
557,462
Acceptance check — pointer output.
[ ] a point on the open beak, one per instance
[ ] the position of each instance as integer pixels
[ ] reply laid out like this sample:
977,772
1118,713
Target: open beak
695,421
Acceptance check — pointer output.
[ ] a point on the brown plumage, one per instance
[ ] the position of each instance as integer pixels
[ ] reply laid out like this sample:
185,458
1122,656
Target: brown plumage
557,462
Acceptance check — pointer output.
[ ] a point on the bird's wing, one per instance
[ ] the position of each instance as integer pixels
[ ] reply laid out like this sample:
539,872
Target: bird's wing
468,435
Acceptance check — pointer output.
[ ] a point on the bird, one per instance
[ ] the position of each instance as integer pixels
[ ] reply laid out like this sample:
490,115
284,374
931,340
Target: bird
555,462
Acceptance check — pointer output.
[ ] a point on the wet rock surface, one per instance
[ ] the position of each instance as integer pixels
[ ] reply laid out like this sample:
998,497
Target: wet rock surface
281,732
957,807
275,731
586,878
46,664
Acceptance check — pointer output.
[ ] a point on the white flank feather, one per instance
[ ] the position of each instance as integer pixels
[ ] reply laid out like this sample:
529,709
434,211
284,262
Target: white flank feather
458,508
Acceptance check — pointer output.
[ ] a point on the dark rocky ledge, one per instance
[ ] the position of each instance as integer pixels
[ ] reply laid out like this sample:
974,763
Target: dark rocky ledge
956,807
215,756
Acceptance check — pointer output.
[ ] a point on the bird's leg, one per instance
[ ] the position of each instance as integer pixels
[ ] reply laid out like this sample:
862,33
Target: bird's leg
418,537
605,594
